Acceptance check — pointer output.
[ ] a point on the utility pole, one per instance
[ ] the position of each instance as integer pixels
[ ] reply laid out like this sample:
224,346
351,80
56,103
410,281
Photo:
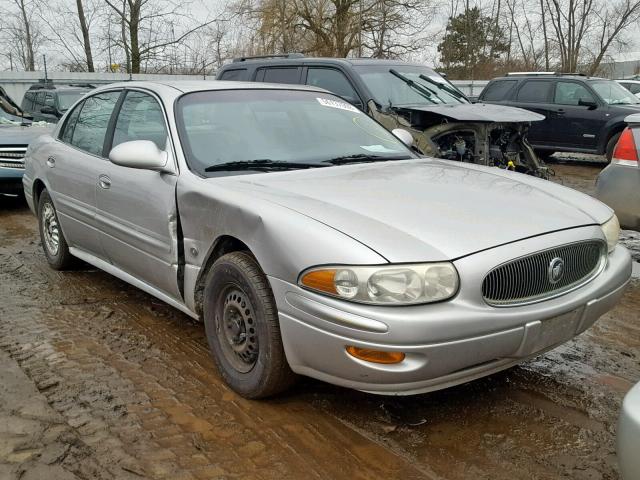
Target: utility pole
44,58
360,29
10,61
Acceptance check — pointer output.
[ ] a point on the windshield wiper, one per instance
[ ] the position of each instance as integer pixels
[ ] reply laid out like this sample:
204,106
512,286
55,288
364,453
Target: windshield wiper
421,89
452,90
364,158
260,164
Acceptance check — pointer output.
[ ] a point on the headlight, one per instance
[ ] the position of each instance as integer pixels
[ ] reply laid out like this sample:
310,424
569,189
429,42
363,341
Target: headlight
384,285
611,230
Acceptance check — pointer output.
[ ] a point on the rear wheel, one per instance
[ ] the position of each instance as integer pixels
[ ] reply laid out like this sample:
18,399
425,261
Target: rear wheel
242,326
54,244
611,145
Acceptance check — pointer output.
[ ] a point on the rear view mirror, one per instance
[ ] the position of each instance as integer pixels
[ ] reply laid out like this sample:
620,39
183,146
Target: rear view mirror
404,136
584,102
142,154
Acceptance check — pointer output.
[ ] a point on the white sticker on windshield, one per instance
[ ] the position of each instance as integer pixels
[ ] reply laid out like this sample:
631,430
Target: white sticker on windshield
326,102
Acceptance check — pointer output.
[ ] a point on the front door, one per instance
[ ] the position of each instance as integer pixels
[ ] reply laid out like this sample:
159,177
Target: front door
573,123
535,95
136,209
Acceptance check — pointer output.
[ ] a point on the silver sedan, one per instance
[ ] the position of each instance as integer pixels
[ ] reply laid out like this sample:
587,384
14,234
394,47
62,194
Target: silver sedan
312,241
618,185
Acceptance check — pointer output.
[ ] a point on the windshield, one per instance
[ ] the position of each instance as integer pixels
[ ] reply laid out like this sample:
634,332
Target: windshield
305,128
67,99
389,88
613,93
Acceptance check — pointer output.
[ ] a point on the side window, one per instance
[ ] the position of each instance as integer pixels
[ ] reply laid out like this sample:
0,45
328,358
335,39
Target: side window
92,123
332,80
27,102
282,75
498,90
49,100
570,93
633,88
237,74
39,101
140,118
70,124
534,91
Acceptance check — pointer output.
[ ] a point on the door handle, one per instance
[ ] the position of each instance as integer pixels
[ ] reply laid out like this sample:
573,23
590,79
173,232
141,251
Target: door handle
51,162
104,182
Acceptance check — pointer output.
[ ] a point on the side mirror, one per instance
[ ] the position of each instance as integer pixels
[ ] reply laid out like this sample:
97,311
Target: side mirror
142,154
48,110
587,103
404,136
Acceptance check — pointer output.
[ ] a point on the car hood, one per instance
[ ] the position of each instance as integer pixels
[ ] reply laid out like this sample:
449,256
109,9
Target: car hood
19,135
479,112
427,209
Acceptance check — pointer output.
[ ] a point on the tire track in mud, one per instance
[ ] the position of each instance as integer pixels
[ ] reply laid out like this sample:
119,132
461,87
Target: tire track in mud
134,377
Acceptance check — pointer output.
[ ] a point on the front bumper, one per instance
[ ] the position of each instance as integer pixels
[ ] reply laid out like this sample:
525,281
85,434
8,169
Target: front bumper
628,435
445,343
11,180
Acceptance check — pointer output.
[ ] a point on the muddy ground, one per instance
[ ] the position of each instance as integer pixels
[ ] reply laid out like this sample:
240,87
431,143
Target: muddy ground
134,394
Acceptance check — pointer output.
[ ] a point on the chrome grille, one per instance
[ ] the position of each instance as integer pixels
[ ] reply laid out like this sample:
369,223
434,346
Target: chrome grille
12,157
529,279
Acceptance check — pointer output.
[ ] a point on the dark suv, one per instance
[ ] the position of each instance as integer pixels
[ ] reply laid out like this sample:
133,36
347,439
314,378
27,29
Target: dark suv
583,114
410,96
48,102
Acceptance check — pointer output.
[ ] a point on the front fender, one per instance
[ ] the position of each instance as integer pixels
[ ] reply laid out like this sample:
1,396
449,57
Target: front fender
283,241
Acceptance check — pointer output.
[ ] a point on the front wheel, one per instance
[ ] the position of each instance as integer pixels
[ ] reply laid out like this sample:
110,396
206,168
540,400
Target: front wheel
53,242
242,326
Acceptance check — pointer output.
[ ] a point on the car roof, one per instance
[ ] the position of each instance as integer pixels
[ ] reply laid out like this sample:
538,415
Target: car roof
238,63
547,77
185,86
627,80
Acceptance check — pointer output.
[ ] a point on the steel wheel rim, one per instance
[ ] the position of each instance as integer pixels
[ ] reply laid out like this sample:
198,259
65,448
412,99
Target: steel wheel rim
50,229
236,329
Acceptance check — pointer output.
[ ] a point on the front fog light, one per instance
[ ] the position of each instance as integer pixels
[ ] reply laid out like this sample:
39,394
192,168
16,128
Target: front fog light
611,230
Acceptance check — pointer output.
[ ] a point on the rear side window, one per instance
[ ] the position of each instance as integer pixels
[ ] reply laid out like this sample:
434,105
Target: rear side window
69,125
498,90
27,102
140,118
92,123
236,74
332,80
534,91
282,75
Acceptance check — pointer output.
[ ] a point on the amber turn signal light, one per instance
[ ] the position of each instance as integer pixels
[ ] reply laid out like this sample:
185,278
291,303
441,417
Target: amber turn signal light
322,280
375,356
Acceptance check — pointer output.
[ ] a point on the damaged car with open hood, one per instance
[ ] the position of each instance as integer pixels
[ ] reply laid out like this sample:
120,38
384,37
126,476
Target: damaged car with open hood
414,97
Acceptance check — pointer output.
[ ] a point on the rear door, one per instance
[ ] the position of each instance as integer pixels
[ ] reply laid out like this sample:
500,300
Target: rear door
574,125
535,95
136,208
279,74
73,165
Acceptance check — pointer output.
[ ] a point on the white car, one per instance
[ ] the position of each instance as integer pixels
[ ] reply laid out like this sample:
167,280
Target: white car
632,85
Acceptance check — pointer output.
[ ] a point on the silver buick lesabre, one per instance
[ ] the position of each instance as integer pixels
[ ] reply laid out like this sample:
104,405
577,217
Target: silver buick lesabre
312,241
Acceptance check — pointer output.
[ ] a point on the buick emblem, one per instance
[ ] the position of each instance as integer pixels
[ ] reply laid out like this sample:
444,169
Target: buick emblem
555,272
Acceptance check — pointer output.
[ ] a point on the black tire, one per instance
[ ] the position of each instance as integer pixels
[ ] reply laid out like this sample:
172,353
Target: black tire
59,258
544,155
238,301
611,145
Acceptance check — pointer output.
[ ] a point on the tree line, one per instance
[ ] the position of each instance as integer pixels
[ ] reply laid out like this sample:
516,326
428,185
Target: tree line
466,39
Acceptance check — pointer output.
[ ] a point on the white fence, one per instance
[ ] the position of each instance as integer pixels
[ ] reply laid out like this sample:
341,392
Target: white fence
16,83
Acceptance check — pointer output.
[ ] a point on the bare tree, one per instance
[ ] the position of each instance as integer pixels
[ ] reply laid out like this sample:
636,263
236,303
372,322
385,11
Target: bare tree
21,33
146,27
